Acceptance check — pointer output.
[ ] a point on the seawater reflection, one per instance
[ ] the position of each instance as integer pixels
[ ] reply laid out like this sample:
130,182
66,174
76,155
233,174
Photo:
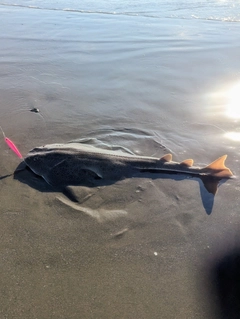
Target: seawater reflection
232,108
234,136
225,102
233,101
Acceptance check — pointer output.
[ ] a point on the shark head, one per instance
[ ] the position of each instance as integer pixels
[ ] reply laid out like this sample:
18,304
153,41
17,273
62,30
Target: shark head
37,163
41,160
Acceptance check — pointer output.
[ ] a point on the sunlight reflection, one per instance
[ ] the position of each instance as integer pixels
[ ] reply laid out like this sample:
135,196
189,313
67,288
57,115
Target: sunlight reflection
233,102
234,136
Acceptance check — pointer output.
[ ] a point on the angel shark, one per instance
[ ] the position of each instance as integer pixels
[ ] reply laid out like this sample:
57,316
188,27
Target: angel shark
81,164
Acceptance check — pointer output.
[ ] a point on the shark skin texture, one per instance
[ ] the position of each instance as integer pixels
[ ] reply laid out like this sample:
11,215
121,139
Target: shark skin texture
82,164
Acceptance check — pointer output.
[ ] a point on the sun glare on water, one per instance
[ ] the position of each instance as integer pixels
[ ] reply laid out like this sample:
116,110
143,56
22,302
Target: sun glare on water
226,104
233,102
234,136
232,109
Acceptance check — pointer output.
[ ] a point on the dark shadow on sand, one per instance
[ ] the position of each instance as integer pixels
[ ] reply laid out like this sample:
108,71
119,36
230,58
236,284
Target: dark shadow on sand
224,275
28,177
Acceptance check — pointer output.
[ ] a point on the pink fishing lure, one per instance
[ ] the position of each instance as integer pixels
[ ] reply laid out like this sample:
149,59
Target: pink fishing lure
11,145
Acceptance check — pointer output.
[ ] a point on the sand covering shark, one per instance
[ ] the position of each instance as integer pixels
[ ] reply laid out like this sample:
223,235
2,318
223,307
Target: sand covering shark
82,164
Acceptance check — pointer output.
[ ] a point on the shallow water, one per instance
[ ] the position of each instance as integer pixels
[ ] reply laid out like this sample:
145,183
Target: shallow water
153,78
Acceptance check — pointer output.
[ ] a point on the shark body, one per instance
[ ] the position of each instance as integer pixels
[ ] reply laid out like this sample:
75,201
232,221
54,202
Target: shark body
81,164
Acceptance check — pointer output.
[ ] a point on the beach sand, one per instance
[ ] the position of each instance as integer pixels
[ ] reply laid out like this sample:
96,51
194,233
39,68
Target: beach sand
140,248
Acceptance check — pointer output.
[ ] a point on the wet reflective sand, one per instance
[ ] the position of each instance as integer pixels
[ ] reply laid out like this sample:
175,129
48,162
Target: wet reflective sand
140,248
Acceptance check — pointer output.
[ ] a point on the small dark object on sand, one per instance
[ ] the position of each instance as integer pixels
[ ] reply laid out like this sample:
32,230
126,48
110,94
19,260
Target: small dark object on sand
35,110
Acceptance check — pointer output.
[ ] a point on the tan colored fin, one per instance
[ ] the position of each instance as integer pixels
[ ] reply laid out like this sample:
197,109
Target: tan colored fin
166,158
218,168
187,162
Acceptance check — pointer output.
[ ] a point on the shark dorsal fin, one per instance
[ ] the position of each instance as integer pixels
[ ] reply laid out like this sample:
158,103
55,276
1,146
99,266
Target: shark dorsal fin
166,158
217,168
187,162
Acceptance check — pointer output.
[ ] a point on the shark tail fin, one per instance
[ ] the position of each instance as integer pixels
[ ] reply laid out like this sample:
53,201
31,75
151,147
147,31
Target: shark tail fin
218,169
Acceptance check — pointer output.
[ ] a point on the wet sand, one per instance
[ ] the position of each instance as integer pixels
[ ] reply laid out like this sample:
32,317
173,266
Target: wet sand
140,248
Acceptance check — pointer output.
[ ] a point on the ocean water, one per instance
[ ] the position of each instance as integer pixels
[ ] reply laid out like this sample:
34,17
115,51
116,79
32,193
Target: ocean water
152,77
164,67
209,10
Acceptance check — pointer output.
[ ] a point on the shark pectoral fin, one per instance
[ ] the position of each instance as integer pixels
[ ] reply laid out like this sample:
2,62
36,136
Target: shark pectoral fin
166,158
187,163
77,194
218,168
